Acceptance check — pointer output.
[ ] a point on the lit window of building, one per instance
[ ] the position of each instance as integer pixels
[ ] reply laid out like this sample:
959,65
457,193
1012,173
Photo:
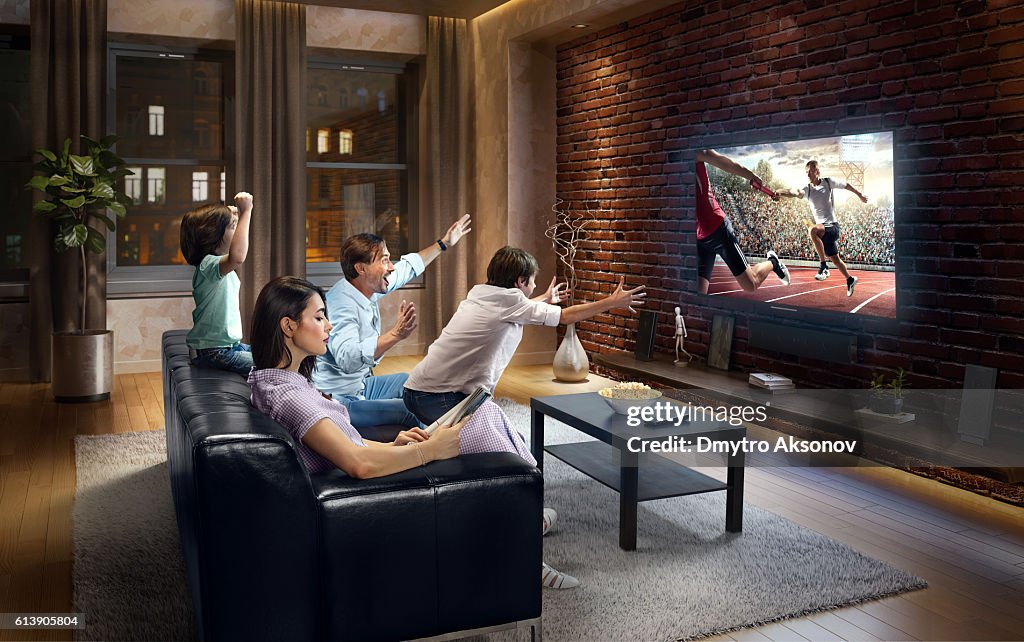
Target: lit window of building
200,187
323,140
133,184
345,141
156,178
156,120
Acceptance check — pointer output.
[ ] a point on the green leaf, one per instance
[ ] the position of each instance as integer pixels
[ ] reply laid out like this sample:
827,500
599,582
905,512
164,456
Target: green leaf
74,203
58,180
96,241
67,151
83,165
44,206
117,209
59,244
47,154
102,190
109,222
109,140
90,141
38,182
75,236
109,160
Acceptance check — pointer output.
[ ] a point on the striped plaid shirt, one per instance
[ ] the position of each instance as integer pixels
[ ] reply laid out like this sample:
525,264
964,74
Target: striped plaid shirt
291,400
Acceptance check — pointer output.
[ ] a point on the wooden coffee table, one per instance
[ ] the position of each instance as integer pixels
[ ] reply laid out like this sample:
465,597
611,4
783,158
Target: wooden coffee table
636,477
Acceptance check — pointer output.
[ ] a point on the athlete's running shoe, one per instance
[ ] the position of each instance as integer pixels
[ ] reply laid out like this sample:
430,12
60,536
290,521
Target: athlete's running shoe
780,270
850,284
822,273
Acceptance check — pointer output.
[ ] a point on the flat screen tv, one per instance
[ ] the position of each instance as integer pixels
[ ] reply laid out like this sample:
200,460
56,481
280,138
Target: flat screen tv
801,200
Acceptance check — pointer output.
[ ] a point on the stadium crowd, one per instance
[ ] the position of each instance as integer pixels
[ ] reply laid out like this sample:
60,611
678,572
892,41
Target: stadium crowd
762,224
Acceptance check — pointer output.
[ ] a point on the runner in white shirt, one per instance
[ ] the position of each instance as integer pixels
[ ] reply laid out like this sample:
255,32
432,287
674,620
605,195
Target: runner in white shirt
825,230
479,341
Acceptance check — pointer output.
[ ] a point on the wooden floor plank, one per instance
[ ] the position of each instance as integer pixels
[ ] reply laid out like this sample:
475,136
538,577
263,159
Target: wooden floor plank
874,626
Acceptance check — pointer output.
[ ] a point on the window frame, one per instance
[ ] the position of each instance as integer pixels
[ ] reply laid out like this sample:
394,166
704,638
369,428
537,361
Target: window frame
326,274
131,280
14,282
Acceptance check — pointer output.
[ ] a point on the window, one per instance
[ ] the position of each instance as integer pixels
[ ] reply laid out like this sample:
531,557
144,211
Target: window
345,141
156,120
355,188
176,155
200,187
133,184
155,179
16,160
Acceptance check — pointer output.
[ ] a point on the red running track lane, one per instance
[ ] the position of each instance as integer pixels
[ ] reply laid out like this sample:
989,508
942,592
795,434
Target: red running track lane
875,294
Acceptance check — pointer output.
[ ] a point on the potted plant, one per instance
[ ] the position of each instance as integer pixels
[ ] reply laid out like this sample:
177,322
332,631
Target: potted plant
887,396
78,192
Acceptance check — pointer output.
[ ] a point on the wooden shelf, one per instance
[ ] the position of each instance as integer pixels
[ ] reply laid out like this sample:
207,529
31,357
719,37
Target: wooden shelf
931,438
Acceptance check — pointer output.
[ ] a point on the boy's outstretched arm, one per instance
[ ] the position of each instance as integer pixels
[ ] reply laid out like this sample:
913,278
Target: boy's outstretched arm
619,298
239,249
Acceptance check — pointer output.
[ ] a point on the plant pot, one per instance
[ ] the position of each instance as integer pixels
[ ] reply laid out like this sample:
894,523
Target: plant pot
83,366
571,363
886,405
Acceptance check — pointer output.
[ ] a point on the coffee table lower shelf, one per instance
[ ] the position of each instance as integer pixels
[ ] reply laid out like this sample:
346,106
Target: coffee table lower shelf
658,477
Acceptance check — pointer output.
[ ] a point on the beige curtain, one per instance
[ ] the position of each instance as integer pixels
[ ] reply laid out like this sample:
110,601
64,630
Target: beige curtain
270,152
446,154
68,66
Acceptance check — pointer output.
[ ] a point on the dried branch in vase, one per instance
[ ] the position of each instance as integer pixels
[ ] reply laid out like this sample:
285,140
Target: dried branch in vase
565,230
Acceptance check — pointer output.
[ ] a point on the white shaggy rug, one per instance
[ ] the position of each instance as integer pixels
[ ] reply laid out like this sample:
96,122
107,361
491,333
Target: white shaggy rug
688,578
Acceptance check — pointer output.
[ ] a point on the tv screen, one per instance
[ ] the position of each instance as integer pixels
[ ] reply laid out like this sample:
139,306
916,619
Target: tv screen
800,224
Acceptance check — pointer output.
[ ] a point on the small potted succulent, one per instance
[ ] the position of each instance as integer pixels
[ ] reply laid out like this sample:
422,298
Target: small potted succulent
887,396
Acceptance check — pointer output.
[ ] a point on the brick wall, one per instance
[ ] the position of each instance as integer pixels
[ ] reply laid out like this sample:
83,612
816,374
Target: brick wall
637,100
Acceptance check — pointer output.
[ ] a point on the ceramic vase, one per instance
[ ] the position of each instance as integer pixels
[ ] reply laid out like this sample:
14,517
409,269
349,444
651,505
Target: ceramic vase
571,363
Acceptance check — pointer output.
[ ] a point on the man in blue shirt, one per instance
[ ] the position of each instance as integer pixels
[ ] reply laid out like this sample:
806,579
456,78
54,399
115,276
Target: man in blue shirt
356,343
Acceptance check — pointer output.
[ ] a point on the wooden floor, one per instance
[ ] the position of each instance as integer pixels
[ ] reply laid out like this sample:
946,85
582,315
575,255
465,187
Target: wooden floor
969,548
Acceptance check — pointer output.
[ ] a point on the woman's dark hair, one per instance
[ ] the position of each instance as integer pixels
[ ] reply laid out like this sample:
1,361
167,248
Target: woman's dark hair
361,248
508,264
201,231
285,296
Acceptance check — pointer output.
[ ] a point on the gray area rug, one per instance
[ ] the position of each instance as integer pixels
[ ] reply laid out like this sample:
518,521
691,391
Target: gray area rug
688,578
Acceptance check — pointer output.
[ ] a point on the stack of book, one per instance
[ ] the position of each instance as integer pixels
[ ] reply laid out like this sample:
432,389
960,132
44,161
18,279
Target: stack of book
772,382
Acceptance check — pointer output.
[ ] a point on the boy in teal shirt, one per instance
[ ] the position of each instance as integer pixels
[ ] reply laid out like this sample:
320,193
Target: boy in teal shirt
215,239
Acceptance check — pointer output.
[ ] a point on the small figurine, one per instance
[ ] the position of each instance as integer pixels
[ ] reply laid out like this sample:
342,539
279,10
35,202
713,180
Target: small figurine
680,335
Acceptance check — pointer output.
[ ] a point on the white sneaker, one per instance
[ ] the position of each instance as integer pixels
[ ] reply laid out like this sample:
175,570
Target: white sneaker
550,578
548,517
850,284
821,275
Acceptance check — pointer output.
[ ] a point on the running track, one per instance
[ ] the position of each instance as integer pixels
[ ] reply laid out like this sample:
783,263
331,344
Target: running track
875,294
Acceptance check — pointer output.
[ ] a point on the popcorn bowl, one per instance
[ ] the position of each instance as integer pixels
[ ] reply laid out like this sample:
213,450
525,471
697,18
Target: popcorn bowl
622,399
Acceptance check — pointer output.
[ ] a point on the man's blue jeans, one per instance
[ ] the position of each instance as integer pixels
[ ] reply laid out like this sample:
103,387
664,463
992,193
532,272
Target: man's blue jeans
429,406
381,403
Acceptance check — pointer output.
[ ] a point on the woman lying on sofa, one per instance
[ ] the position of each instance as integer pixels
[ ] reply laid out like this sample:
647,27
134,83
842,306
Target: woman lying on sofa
289,330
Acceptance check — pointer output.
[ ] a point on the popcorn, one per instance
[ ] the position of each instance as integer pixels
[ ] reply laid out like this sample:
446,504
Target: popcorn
629,390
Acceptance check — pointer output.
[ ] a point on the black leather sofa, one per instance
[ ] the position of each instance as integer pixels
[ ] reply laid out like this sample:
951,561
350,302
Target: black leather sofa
274,553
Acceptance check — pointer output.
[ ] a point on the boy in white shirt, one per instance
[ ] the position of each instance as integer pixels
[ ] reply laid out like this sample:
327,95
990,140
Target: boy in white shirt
483,334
